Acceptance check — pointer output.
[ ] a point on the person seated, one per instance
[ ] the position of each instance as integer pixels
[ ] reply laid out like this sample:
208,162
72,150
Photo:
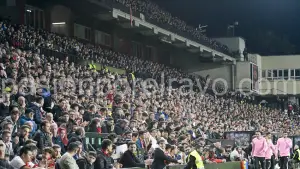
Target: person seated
237,154
48,158
87,162
211,156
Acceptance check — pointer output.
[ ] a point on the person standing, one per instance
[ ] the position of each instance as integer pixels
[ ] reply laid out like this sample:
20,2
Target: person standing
67,161
271,150
160,159
284,145
296,157
194,160
259,148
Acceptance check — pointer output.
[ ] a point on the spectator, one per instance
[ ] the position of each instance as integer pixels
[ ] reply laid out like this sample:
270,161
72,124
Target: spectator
28,116
237,154
43,137
160,157
67,161
4,105
141,141
57,151
108,126
13,119
103,160
37,107
80,153
63,136
6,137
58,110
21,104
56,139
24,135
79,135
129,159
87,162
3,163
25,157
120,127
95,126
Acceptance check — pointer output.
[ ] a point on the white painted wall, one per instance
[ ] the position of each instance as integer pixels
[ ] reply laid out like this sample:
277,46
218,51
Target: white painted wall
243,76
280,87
281,62
234,44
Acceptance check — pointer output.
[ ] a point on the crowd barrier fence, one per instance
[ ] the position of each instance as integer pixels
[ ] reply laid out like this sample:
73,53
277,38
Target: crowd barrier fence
227,165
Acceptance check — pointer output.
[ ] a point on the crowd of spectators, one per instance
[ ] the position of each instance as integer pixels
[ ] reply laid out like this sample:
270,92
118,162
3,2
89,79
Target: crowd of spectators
46,111
158,16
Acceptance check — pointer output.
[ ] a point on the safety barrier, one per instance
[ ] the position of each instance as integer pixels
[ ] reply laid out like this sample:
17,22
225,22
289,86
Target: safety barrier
228,165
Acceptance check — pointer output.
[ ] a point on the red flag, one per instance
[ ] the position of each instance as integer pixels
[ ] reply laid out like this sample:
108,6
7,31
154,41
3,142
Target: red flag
131,16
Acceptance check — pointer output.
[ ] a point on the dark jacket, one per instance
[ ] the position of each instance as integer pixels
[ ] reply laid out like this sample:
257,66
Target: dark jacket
4,110
42,140
88,116
83,163
47,99
103,161
81,140
119,130
57,112
5,164
129,160
37,113
160,158
106,129
191,164
57,140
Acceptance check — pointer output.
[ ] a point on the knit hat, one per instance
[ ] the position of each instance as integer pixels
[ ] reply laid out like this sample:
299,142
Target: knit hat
27,111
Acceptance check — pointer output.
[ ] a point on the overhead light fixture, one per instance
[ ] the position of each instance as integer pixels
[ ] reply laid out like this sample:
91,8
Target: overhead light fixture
59,23
28,10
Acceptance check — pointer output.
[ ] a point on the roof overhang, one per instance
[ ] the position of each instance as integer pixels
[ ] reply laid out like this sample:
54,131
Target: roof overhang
166,36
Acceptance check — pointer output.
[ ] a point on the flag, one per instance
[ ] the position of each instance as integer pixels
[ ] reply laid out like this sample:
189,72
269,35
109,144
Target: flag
131,16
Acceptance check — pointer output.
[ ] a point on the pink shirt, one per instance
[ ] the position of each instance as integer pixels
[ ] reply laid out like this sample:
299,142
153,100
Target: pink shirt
283,146
259,147
271,149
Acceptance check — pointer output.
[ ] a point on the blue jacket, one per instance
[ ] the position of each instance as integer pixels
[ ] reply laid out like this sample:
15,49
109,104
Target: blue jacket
24,119
157,115
139,144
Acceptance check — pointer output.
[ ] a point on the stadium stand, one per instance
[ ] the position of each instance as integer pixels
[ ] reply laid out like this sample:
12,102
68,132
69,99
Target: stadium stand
52,98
